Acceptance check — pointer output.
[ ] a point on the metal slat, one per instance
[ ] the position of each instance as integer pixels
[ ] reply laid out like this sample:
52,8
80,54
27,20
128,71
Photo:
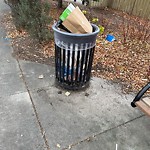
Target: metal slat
68,63
81,66
64,55
56,61
90,63
86,64
59,60
72,67
77,66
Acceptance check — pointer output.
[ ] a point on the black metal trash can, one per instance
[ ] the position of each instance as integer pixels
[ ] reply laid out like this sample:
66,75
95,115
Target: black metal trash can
73,58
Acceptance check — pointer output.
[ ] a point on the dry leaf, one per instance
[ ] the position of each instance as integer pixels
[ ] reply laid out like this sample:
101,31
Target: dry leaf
41,76
58,145
67,93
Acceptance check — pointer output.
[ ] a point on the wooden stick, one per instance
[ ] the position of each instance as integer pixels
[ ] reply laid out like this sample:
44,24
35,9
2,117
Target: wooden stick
144,107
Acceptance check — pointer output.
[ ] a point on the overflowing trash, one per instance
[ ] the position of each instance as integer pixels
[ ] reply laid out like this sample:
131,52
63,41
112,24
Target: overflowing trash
75,39
72,19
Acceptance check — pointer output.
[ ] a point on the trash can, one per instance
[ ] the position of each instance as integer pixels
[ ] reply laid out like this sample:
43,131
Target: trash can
73,58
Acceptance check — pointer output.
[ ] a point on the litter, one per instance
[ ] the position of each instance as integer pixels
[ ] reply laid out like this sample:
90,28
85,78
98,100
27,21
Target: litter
110,38
41,76
67,93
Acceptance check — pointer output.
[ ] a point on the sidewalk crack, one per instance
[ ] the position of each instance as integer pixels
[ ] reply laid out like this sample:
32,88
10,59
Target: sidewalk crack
34,108
90,138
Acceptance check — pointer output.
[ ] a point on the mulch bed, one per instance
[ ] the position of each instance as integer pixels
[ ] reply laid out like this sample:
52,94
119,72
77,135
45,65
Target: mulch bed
125,61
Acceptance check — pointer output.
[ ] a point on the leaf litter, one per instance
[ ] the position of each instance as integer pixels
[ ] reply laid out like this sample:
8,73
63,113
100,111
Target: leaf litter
125,62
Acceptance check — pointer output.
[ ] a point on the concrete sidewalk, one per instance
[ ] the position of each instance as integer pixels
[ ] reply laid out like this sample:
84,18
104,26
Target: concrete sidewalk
35,116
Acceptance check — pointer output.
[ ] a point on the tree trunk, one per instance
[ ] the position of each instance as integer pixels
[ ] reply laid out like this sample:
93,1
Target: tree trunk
59,3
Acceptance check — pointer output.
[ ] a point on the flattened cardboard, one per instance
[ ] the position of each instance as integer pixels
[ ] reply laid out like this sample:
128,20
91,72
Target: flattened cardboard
76,22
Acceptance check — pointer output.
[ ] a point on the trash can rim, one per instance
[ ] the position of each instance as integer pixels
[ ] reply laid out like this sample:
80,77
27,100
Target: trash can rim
75,34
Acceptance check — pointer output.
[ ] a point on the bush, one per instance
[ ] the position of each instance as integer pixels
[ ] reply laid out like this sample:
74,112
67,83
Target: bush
32,16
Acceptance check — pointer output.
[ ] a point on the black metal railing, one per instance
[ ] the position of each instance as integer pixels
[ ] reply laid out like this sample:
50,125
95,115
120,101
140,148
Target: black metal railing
73,67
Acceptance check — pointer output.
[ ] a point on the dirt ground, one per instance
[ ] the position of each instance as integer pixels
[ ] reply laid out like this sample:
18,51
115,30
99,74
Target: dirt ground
125,61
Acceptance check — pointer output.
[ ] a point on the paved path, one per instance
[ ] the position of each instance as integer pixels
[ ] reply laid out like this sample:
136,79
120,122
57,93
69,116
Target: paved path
35,117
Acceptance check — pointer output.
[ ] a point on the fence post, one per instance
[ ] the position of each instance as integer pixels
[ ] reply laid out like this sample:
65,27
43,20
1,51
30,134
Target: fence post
110,3
133,7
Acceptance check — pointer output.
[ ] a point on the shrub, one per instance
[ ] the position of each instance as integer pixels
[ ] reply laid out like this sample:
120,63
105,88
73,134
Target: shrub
32,16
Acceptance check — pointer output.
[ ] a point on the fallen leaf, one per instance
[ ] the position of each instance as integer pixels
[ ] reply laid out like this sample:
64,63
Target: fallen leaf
69,147
20,75
67,93
87,94
59,92
58,145
84,12
41,76
144,79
